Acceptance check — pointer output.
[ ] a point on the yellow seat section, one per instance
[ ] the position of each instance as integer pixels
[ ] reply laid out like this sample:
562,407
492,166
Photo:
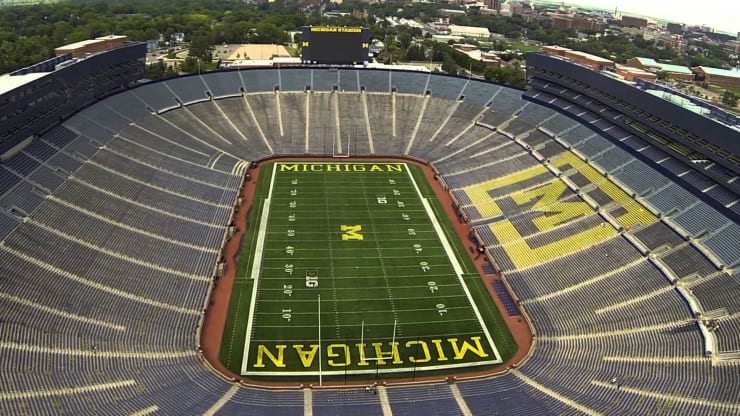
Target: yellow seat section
522,255
636,214
483,202
547,202
488,210
505,232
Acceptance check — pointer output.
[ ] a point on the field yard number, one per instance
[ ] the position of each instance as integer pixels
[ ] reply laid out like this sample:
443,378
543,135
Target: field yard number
396,192
412,231
291,218
292,204
400,204
290,250
441,308
289,268
382,199
312,281
291,233
405,216
288,290
294,181
424,266
293,192
432,286
417,248
286,314
392,181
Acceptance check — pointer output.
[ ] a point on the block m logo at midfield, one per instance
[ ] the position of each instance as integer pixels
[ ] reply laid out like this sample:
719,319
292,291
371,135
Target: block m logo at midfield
351,232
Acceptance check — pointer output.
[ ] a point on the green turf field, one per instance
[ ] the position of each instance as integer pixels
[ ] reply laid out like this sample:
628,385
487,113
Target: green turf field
348,269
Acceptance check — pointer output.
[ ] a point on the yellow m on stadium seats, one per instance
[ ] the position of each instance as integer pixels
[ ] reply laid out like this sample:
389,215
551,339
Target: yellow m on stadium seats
351,232
304,44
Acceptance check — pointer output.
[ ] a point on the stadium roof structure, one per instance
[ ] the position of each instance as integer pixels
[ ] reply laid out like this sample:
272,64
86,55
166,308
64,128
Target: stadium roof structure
10,82
680,101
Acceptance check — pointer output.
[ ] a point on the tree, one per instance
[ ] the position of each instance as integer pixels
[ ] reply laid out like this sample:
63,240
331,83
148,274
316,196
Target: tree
155,70
416,53
729,98
201,46
449,65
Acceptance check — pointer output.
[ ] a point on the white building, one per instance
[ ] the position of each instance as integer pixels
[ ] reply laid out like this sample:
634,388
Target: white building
470,32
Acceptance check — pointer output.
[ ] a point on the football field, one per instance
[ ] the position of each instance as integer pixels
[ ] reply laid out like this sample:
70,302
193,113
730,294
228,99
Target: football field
348,268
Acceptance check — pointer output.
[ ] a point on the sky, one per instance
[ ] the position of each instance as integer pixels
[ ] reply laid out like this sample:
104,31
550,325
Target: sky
723,15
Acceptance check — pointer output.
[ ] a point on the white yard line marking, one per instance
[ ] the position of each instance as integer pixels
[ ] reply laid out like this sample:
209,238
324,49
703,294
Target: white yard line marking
455,265
256,263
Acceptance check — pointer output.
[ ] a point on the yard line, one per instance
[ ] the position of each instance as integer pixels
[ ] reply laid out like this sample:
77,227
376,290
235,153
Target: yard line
349,258
357,300
351,340
365,277
374,287
368,324
376,311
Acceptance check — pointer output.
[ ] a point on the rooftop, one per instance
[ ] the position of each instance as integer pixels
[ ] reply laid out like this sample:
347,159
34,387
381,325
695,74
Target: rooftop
676,69
10,82
647,61
79,44
732,73
470,29
589,56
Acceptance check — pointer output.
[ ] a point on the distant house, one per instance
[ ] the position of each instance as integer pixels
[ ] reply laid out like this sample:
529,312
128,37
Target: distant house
594,62
473,32
675,72
177,37
717,76
629,73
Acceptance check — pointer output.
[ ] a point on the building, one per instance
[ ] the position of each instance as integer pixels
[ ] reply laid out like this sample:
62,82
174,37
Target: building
472,32
717,76
35,98
450,12
493,5
674,72
488,58
594,62
577,22
674,28
633,21
732,47
676,42
91,46
632,74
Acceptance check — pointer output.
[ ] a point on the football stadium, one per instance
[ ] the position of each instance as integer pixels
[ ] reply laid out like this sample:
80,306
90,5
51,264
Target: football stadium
351,241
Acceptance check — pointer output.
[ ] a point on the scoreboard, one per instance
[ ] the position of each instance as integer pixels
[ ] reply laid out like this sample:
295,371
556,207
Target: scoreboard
335,45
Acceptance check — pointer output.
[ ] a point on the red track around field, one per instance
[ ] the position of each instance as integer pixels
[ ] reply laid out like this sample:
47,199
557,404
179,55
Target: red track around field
217,310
